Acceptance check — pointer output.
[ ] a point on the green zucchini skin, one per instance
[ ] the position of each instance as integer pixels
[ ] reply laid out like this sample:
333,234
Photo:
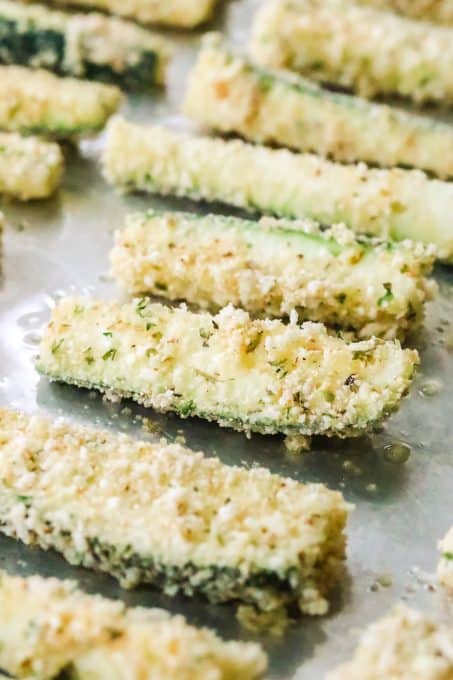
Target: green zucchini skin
32,35
252,375
393,204
229,93
272,267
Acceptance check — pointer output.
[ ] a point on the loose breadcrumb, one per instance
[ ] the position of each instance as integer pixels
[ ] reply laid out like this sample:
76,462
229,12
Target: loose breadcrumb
358,47
229,93
165,515
393,204
30,168
405,645
49,626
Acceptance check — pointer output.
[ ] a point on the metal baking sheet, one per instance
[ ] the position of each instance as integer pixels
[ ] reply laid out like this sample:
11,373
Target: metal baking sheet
61,247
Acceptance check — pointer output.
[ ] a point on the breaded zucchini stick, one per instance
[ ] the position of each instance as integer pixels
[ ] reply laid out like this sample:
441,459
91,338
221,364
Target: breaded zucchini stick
438,11
445,569
255,376
162,514
274,266
90,46
229,93
404,645
178,13
367,50
393,204
30,168
89,637
42,103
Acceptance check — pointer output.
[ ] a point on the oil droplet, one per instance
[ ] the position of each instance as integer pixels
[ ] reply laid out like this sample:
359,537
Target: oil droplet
31,339
430,388
397,453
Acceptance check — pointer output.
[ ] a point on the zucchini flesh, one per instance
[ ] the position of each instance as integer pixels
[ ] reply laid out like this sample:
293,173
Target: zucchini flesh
393,204
181,13
271,267
90,46
39,102
88,637
259,376
331,41
437,11
229,93
30,168
404,644
109,502
445,568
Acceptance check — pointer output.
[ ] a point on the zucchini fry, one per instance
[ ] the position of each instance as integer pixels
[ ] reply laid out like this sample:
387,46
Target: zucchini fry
361,48
404,645
109,502
38,102
89,637
392,204
30,168
90,46
445,569
229,93
255,376
177,13
437,11
271,267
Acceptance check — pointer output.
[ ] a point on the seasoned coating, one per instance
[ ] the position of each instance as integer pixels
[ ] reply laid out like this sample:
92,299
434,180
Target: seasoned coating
91,638
230,94
405,645
253,375
30,168
274,266
41,103
178,13
393,204
90,46
370,51
159,513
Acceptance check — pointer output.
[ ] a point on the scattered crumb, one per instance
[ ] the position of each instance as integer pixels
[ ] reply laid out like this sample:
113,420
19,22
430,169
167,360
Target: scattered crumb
296,444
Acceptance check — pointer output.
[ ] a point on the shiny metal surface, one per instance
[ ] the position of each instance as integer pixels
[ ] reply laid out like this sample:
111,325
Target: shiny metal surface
402,509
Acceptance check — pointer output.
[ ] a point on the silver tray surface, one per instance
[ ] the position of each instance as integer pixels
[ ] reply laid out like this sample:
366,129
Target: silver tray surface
61,247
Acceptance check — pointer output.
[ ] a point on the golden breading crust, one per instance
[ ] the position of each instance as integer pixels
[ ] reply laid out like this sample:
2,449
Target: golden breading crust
162,514
405,645
229,93
30,168
252,375
272,267
370,51
393,204
49,626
